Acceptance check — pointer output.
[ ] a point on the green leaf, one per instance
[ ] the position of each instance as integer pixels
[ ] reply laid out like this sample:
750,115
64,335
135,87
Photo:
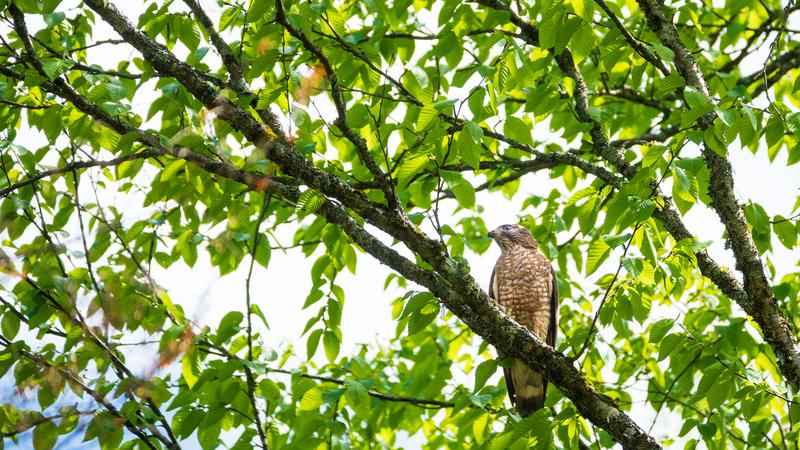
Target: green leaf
357,396
52,124
660,329
312,399
312,343
115,108
415,303
331,343
718,392
663,52
684,189
462,190
587,214
419,320
229,326
648,248
583,41
786,231
310,201
584,9
681,178
505,68
711,375
9,325
256,310
411,167
712,142
45,435
669,344
189,369
669,84
759,221
269,389
172,169
697,100
634,266
469,150
501,442
757,216
581,194
792,122
427,115
54,69
485,370
547,32
653,154
747,126
616,241
598,252
474,130
229,17
537,424
516,129
641,208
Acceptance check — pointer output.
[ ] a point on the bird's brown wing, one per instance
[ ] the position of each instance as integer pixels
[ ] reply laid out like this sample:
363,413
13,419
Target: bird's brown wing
552,328
506,370
530,386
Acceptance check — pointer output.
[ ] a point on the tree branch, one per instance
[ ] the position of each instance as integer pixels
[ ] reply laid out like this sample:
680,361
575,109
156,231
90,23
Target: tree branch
635,44
421,402
24,319
251,383
759,301
341,122
228,59
23,427
756,297
774,71
92,393
468,302
172,443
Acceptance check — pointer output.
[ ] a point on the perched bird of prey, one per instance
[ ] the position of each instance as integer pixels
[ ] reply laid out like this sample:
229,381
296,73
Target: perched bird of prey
523,282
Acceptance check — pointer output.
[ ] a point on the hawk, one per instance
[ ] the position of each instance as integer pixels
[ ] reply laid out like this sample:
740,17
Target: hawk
524,283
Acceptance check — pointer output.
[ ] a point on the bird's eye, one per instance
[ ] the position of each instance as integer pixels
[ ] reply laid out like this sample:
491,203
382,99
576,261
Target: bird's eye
506,227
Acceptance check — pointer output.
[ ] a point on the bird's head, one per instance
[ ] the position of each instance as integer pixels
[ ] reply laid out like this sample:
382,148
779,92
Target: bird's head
509,236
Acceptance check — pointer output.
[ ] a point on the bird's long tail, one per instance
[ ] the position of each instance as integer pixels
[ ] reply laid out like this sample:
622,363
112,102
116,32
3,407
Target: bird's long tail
529,387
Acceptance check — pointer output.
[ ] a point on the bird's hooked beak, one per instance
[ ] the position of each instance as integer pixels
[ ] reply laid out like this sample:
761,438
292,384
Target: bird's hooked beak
492,234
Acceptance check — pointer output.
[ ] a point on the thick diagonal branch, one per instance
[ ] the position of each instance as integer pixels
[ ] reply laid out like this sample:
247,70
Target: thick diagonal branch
759,301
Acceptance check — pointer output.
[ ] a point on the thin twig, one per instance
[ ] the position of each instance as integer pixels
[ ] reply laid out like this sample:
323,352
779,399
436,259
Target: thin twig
590,334
772,46
84,241
637,46
74,166
419,402
22,105
93,393
251,383
653,191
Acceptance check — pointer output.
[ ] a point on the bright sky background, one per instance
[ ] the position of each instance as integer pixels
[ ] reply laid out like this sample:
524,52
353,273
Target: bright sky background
281,290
